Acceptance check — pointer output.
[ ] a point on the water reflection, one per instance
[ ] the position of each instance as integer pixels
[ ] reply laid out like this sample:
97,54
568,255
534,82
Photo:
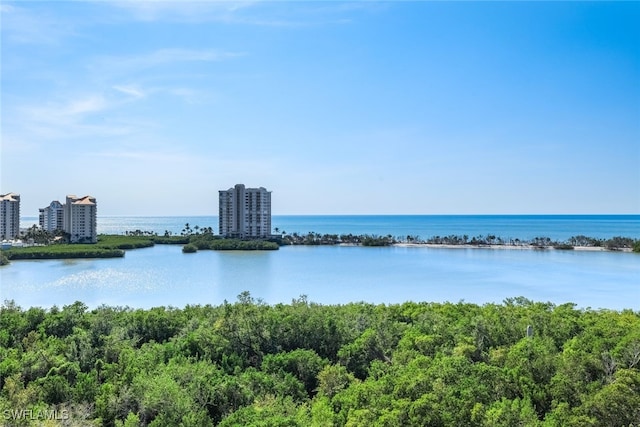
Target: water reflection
244,271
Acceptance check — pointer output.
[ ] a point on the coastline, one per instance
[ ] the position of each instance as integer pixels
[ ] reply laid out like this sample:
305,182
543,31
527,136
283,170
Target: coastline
525,227
510,247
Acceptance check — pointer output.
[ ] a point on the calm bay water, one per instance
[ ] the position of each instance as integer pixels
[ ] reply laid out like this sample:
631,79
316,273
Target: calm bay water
163,275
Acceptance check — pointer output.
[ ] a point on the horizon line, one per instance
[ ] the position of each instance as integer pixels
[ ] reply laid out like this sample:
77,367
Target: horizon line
363,214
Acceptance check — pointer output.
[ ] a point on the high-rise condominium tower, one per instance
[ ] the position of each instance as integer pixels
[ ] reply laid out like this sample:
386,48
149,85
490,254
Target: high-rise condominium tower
245,212
52,217
9,216
80,215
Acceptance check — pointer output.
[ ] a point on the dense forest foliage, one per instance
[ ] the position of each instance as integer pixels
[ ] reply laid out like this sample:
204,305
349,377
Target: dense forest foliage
305,364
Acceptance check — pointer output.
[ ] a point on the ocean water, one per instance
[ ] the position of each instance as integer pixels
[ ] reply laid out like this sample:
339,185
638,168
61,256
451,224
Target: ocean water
557,227
163,275
560,227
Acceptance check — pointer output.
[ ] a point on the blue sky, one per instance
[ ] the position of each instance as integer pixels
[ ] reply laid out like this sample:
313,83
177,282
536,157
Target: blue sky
337,107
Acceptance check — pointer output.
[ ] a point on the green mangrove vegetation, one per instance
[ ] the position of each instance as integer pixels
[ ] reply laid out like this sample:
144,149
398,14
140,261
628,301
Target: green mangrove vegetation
243,245
202,237
189,248
171,240
53,245
217,243
313,238
63,251
304,364
108,246
124,242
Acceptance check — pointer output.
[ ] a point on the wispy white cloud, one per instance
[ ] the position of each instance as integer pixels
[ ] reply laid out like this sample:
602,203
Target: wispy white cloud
251,13
139,77
61,114
112,66
22,25
177,11
80,107
72,110
96,107
191,96
132,91
156,155
16,145
164,56
82,116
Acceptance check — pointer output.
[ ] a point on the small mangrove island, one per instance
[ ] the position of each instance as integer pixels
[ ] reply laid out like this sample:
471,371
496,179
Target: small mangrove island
43,245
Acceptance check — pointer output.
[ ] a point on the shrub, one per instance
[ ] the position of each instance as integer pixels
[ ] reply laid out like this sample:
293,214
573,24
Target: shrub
619,242
563,246
189,249
171,240
242,245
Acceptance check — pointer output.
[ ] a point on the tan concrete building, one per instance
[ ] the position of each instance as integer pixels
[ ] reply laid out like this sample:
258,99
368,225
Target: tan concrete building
80,218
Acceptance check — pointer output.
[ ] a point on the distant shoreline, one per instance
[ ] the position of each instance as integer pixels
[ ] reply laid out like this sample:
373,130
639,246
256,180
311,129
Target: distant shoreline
42,245
579,243
510,247
514,229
